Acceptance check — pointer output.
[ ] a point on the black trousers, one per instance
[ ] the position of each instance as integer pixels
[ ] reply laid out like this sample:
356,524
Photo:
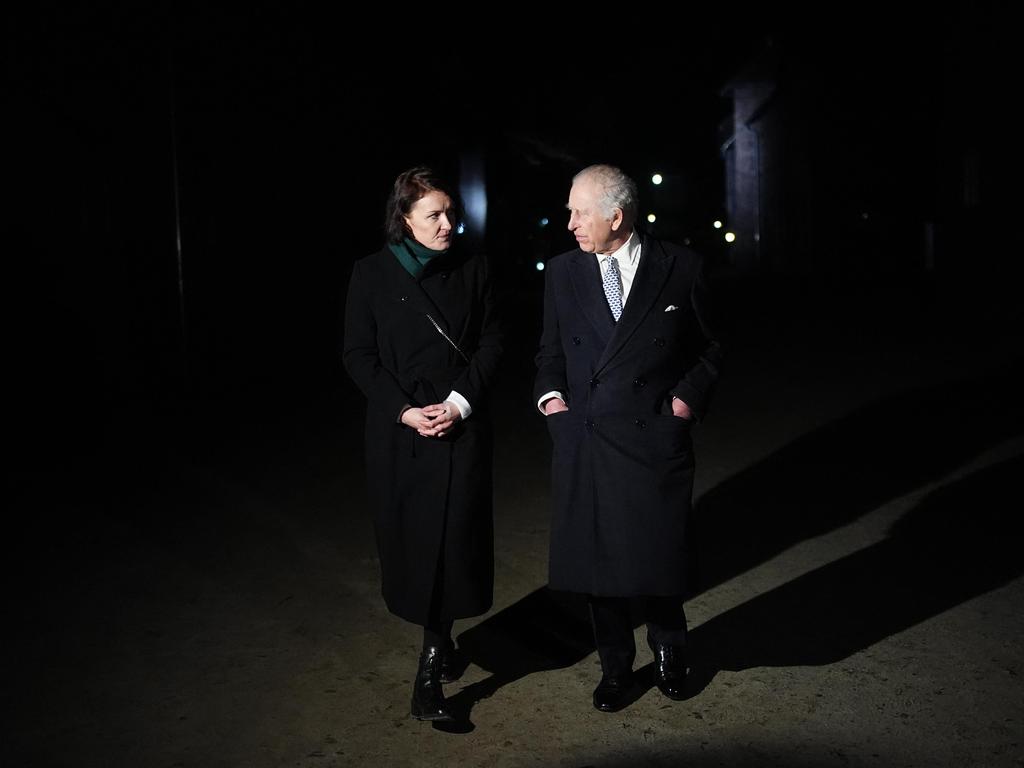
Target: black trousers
613,627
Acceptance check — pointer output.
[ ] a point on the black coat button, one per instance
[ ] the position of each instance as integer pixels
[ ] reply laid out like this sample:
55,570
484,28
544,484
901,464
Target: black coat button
639,382
659,342
594,382
640,423
588,424
577,340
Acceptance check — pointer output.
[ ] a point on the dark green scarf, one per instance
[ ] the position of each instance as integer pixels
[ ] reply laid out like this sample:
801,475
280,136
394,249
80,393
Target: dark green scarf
413,255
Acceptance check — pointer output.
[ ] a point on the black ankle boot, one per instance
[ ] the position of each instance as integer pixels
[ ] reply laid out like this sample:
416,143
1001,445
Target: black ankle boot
427,699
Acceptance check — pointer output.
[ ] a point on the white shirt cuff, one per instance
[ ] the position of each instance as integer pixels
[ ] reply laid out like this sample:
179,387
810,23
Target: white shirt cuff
463,403
548,396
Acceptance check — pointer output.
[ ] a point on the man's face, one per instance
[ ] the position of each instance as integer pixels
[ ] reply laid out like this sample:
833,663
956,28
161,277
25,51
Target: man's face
428,221
594,233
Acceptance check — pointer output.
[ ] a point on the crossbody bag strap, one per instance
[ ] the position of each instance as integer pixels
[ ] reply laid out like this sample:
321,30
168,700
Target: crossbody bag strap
447,338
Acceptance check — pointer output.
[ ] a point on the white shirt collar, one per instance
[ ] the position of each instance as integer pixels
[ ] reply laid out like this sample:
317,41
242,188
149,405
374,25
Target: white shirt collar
627,253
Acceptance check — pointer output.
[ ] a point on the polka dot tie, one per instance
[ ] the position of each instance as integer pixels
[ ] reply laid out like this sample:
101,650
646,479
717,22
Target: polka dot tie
613,287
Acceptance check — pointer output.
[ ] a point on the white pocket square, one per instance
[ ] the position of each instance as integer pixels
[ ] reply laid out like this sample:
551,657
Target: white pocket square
671,308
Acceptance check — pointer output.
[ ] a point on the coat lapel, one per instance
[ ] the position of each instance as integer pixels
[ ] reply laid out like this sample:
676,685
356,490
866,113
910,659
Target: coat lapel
651,273
585,275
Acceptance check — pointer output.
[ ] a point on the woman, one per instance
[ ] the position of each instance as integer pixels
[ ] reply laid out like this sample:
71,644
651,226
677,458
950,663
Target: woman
422,342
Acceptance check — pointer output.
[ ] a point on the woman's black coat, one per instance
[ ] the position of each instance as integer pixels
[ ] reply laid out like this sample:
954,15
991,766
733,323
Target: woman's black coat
432,496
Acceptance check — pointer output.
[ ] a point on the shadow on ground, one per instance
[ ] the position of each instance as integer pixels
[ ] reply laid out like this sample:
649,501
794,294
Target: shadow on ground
830,477
545,630
956,544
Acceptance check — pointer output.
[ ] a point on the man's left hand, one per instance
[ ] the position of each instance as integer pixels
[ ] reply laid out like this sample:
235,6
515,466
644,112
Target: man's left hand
681,409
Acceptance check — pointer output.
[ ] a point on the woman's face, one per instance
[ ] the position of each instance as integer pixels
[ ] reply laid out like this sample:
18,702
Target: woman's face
428,221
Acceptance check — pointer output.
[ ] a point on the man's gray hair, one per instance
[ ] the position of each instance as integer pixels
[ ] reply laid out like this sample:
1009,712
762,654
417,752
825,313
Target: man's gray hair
617,190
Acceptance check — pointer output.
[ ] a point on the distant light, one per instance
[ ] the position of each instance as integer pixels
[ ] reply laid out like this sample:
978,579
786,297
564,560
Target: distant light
656,179
686,241
651,218
461,228
729,237
717,224
864,215
544,221
540,266
474,194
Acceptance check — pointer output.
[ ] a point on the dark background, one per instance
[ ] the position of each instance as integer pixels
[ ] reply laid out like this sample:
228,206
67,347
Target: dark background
264,141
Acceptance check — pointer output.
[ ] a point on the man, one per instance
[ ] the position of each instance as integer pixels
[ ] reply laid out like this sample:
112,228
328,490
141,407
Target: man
626,365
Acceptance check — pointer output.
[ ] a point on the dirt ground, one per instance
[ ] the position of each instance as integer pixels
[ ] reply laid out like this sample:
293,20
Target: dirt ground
858,599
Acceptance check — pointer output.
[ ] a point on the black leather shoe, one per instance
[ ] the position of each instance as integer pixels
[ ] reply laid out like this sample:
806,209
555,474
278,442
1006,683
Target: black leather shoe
427,699
669,669
453,664
613,693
